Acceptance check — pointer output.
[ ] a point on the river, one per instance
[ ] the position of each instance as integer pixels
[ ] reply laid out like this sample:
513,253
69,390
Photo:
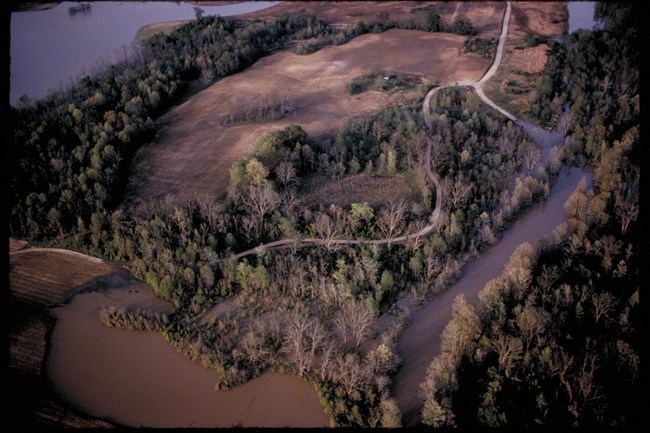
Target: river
420,341
138,379
51,47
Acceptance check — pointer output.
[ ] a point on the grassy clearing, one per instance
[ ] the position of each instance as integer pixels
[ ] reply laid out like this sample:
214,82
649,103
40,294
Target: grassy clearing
319,190
514,85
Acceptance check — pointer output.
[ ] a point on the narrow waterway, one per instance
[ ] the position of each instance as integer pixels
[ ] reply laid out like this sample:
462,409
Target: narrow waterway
420,341
138,379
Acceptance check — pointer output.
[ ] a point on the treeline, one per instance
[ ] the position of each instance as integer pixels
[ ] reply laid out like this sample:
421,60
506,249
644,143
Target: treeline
71,151
424,18
556,339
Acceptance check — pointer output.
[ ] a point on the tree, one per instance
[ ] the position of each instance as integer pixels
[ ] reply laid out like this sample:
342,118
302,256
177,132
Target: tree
461,330
627,201
355,319
256,172
530,155
260,200
462,26
432,21
531,322
457,190
327,228
392,219
391,416
286,173
295,342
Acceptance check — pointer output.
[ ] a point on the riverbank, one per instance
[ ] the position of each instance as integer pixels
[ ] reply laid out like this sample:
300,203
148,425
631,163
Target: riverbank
165,27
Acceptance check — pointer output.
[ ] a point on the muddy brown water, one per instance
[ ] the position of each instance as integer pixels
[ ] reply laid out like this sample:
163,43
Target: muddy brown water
420,341
138,379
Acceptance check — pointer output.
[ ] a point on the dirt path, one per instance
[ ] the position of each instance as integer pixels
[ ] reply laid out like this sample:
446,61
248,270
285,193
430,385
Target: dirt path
478,86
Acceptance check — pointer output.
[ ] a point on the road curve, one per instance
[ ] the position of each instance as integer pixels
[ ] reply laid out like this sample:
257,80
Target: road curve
478,86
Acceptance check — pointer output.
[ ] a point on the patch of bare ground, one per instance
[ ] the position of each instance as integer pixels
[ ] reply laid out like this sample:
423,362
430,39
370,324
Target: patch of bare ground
514,84
359,188
194,150
485,16
39,280
544,19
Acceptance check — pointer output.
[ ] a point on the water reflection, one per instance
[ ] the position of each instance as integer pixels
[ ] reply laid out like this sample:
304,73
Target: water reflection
51,47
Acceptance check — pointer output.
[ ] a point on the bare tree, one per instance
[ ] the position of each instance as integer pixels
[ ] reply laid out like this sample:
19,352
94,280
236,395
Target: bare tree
286,173
509,351
355,319
260,200
530,155
326,229
303,339
603,304
351,373
378,130
253,346
531,322
391,219
456,190
295,343
627,206
327,360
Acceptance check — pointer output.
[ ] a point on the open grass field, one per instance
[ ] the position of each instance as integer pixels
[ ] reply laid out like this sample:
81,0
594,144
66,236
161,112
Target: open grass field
354,189
194,151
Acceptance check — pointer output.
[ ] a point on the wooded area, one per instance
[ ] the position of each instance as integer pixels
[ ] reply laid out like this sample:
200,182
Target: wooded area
556,339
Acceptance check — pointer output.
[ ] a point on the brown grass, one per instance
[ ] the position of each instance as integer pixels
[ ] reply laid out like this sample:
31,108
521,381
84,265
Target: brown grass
354,189
194,151
545,19
513,86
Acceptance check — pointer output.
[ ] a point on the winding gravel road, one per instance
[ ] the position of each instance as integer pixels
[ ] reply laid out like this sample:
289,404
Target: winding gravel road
435,215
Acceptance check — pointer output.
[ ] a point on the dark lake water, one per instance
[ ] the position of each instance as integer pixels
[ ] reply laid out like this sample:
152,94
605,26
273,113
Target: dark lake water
50,47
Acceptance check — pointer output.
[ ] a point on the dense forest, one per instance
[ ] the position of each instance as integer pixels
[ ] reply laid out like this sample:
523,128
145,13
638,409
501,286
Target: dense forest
313,312
556,339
